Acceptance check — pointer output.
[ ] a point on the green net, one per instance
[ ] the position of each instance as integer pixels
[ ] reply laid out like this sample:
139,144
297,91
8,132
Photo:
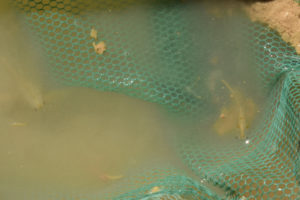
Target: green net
160,53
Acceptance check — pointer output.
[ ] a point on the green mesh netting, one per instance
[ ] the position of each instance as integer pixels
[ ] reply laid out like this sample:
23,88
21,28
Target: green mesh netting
154,56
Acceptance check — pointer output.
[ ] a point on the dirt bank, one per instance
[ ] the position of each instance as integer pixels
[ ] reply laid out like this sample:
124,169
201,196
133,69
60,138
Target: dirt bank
282,15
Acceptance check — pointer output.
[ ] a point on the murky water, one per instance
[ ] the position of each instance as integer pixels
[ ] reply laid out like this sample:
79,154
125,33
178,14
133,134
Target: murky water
68,138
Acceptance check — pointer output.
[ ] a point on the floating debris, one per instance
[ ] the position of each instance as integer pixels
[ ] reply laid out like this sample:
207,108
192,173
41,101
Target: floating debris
94,33
99,47
155,189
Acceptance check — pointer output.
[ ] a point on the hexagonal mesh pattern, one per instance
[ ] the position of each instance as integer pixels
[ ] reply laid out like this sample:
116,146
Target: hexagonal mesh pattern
267,168
164,182
154,54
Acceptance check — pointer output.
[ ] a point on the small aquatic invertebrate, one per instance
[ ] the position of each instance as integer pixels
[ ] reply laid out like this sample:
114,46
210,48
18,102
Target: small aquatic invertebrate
28,88
191,91
240,112
107,177
18,124
188,89
32,94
